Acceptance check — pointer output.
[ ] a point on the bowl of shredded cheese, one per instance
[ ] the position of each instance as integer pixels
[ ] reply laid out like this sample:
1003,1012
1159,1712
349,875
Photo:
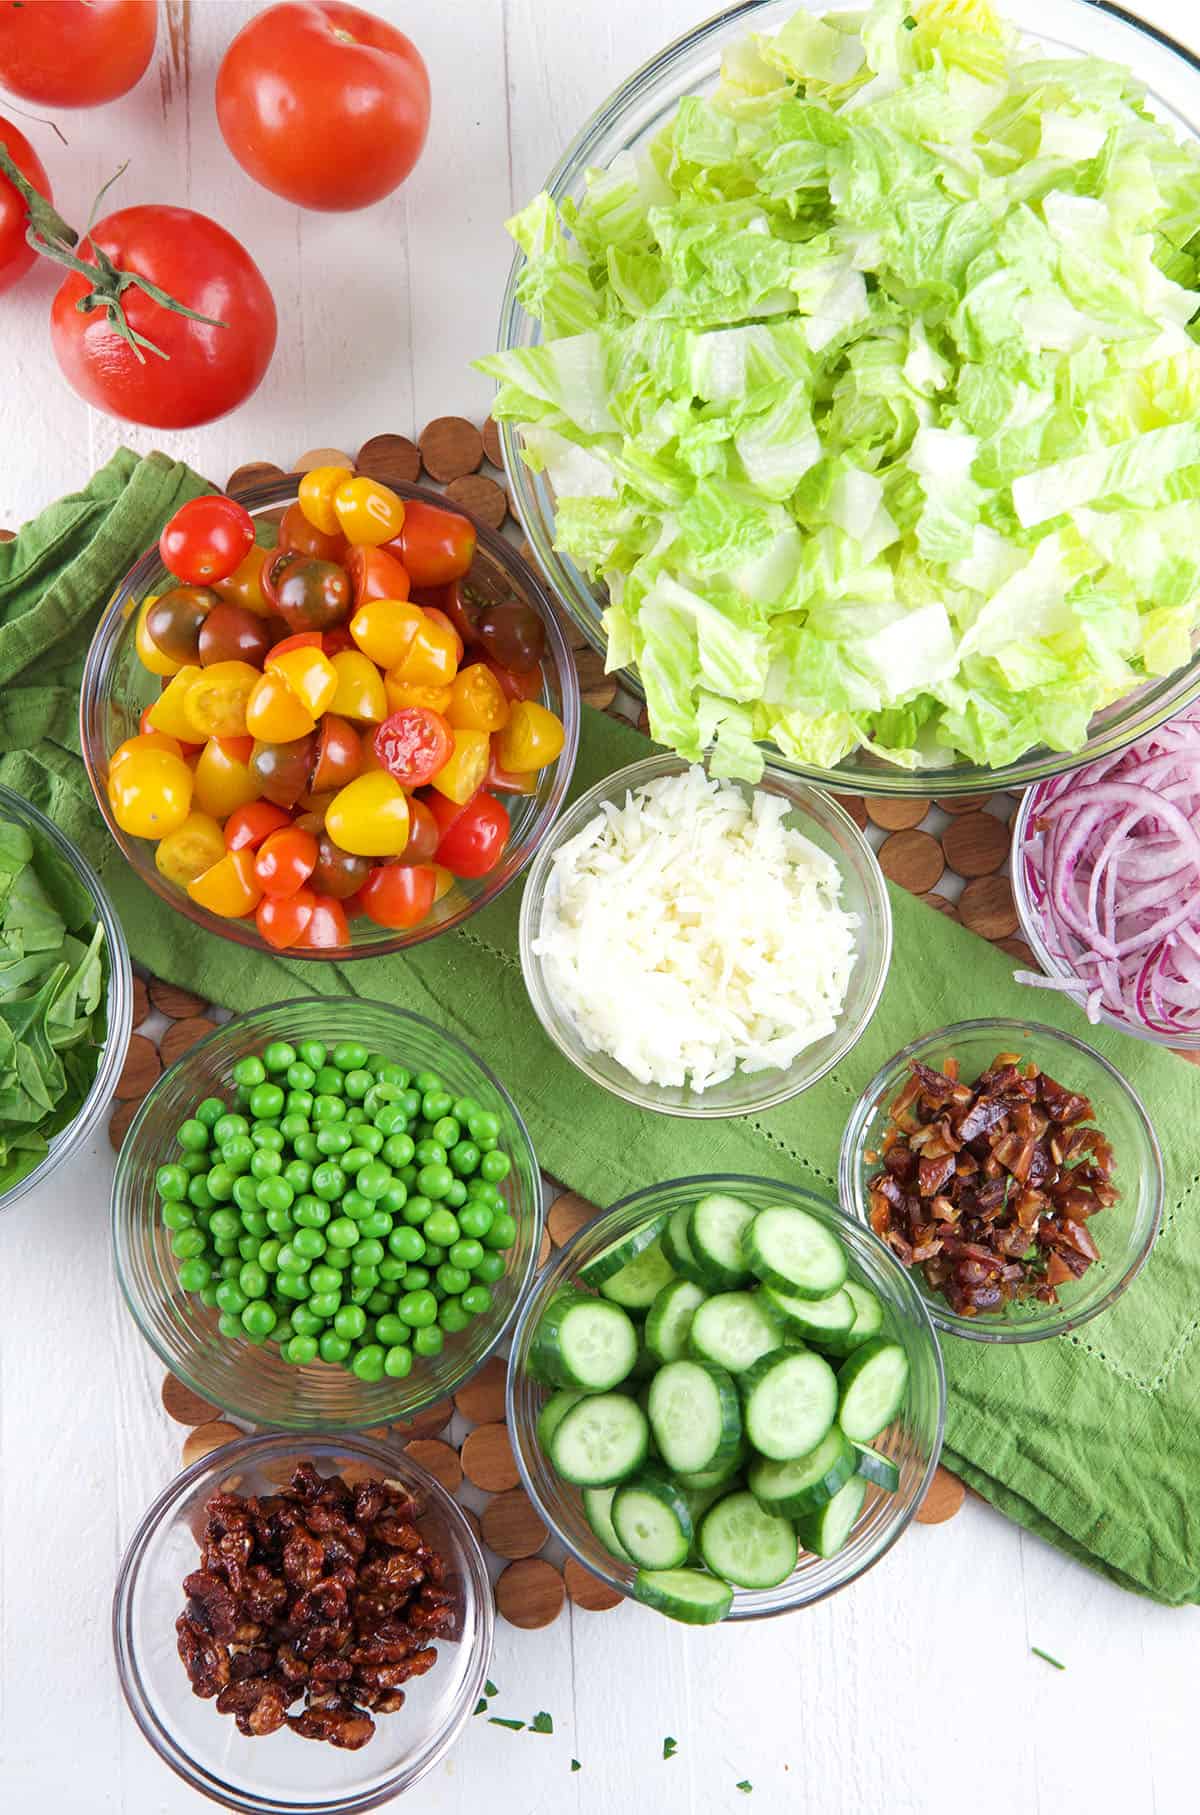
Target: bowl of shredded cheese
702,946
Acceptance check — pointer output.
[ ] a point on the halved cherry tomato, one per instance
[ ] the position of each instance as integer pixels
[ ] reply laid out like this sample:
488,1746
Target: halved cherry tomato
369,817
311,676
190,849
328,926
224,780
477,700
384,629
244,585
247,826
367,511
398,894
232,633
299,534
515,686
229,888
335,641
473,843
147,739
308,594
532,738
207,539
315,500
167,714
339,755
285,861
461,775
513,634
281,771
504,781
360,693
435,615
339,873
413,745
217,702
406,693
431,656
458,601
274,714
175,620
423,834
375,574
146,729
283,919
303,639
148,651
150,792
435,545
444,881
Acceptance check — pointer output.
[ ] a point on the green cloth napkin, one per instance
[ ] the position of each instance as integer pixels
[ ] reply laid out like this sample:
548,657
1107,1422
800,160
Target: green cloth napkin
1090,1440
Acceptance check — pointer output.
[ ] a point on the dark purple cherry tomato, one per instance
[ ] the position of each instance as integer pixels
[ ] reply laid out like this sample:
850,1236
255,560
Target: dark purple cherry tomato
173,621
311,594
339,754
230,633
513,635
338,873
282,770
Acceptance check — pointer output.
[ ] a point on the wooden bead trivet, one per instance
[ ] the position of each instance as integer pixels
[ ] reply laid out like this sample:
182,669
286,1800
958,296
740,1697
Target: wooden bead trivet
141,1069
176,1004
429,1423
943,1498
587,1590
441,1460
511,1525
321,456
394,459
567,1215
481,1399
967,803
545,1249
481,496
487,1459
181,1036
186,1407
491,443
897,814
976,844
206,1438
913,859
258,472
530,1594
986,907
451,447
141,1001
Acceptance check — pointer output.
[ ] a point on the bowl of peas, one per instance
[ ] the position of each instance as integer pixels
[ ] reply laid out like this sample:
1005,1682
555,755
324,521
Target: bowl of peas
325,1215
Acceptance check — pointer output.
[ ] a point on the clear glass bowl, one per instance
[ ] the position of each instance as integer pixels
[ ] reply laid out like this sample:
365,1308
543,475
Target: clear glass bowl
913,1441
252,1382
282,1774
633,115
820,818
116,688
1124,1234
118,1004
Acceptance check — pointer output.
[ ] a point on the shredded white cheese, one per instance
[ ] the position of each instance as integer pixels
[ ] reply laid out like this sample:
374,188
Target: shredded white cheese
690,932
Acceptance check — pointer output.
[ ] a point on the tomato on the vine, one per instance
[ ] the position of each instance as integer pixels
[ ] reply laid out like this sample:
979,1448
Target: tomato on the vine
473,838
16,254
207,539
398,894
75,53
413,745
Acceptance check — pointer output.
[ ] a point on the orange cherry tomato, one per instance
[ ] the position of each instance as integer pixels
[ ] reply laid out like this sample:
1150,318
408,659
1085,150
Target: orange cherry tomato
375,574
145,740
229,889
190,849
406,693
244,585
303,639
369,816
435,545
339,754
283,919
516,686
310,675
360,692
224,780
398,894
532,738
461,775
423,833
316,497
477,700
300,535
167,714
148,652
413,745
367,512
274,714
285,861
150,792
431,657
248,826
216,703
384,629
328,927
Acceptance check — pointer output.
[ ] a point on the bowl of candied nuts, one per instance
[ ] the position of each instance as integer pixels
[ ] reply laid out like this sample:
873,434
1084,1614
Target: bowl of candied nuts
302,1625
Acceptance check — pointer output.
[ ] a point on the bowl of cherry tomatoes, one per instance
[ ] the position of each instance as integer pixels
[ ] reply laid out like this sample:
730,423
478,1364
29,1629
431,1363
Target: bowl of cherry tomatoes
330,717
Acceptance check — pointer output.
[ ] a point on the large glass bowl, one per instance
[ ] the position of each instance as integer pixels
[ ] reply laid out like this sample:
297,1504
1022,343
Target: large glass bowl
116,688
282,1774
252,1382
118,1007
913,1441
864,893
1124,1233
633,115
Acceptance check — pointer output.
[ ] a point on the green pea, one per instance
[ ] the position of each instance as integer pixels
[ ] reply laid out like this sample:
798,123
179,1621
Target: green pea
436,1104
388,1072
265,1164
195,1163
279,1055
484,1126
428,1080
297,1103
451,1317
225,1223
466,1253
367,1254
254,1220
292,1261
442,1228
408,1176
305,1148
324,1305
350,1322
336,1257
417,1278
231,1298
292,1285
495,1166
368,1362
220,1183
266,1136
503,1232
229,1127
258,1319
249,1071
380,1300
301,1076
455,1195
476,1300
417,1209
433,1256
376,1226
373,1179
313,1053
389,1329
358,1082
230,1326
303,1321
311,1243
355,1158
418,1308
447,1131
297,1176
332,1347
238,1153
302,1350
484,1190
195,1274
327,1108
392,1123
397,1363
328,1181
356,1118
334,1139
489,1269
192,1135
279,1220
475,1220
355,1204
178,1216
453,1280
275,1194
329,1081
364,1276
430,1153
268,1255
171,1183
199,1195
253,1280
231,1260
464,1158
428,1340
350,1055
309,1212
210,1111
360,1294
325,1279
391,1270
394,1198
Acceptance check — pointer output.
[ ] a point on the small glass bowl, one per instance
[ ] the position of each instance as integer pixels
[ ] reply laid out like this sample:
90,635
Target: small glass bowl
252,1382
116,688
1124,1234
913,1441
118,1004
820,818
281,1774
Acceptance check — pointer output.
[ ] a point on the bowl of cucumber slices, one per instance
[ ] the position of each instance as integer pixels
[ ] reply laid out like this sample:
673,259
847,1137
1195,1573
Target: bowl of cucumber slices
725,1398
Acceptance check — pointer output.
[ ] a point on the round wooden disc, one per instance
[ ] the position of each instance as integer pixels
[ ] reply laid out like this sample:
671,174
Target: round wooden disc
141,1068
481,496
182,1035
321,456
567,1215
393,458
912,859
428,1422
943,1498
941,904
596,688
856,806
450,448
530,1593
491,443
899,814
512,1526
141,1001
255,472
986,907
587,1590
487,1459
441,1459
186,1407
481,1399
966,803
1017,948
545,1249
118,1122
176,1004
206,1438
976,844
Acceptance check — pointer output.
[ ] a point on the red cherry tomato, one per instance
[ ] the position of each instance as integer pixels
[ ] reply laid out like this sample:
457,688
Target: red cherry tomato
473,840
435,545
323,104
206,539
504,781
16,255
75,53
285,861
423,833
398,894
413,744
248,826
304,538
375,574
328,926
337,639
283,919
527,686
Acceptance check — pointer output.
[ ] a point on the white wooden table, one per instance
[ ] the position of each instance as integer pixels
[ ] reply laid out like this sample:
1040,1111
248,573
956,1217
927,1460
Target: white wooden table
913,1694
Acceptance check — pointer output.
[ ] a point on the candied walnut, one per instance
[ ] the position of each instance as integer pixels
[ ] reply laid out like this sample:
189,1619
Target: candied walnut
303,1558
258,1704
255,1662
379,1701
210,1603
206,1662
342,1725
331,1522
397,1532
263,1594
369,1502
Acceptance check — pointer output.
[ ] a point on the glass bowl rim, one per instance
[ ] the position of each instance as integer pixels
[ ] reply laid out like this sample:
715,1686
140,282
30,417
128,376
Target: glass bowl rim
850,1167
917,1312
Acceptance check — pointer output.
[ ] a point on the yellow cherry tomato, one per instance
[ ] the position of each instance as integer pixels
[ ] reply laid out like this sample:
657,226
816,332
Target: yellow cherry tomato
309,674
385,628
224,780
273,712
462,773
244,585
145,740
316,496
229,888
168,714
369,816
477,701
404,693
366,512
190,849
431,658
360,694
149,653
532,738
443,881
216,701
150,793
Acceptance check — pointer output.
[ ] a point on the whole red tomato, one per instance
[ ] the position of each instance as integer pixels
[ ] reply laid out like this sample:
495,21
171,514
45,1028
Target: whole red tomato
15,255
75,53
208,370
323,104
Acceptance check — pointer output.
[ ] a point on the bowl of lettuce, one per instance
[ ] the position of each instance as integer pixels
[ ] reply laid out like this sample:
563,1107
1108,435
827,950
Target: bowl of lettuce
849,388
66,998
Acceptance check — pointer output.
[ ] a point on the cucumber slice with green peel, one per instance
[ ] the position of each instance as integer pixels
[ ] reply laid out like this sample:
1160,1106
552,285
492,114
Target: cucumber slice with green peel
617,1256
808,1483
688,1595
868,1314
639,1283
871,1383
715,1230
719,1474
652,1521
795,1253
747,1545
670,1318
874,1466
694,1415
553,1412
733,1329
791,1401
601,1441
583,1342
647,1363
825,1532
825,1321
597,1510
699,1499
678,1248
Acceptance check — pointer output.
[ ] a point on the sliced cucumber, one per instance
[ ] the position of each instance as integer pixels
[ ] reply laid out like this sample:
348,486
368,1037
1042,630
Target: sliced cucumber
646,1364
802,1486
795,1253
615,1258
825,1321
791,1400
584,1342
733,1329
597,1510
699,1480
684,1594
874,1466
553,1413
715,1230
639,1283
600,1441
670,1318
653,1521
871,1384
694,1414
824,1532
678,1248
747,1545
699,1499
868,1315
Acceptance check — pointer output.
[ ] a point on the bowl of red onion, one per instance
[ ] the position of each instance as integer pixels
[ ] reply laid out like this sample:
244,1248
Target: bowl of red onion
1106,876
